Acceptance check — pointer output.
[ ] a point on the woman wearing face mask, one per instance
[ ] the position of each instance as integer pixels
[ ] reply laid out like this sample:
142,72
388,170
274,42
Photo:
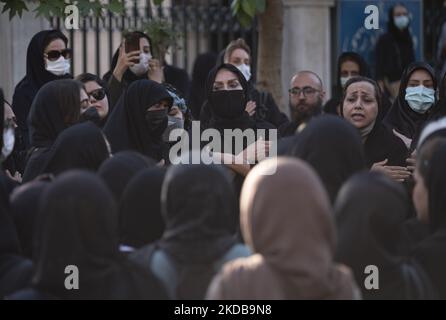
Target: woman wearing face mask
98,94
415,104
139,120
260,105
179,116
7,137
361,105
394,51
128,66
47,59
56,107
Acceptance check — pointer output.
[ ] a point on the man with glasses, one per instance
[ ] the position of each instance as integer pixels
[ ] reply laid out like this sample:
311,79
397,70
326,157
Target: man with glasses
306,96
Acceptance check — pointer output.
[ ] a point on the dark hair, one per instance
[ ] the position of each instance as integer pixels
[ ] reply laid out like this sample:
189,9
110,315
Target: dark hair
361,79
131,35
234,45
87,77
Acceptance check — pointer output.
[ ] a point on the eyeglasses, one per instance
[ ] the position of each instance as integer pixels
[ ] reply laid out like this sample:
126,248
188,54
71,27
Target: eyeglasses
97,94
53,55
307,91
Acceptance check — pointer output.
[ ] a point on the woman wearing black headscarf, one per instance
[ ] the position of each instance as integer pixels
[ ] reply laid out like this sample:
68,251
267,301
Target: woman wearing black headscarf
199,209
82,146
415,104
227,95
118,170
333,148
46,60
56,107
139,120
361,105
394,50
429,198
139,64
370,211
79,228
350,64
141,222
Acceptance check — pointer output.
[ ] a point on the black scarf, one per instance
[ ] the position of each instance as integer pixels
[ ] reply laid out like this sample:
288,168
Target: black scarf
401,117
126,128
141,222
199,209
79,227
333,147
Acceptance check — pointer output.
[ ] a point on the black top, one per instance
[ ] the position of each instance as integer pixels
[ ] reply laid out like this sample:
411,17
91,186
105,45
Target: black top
126,128
394,52
141,222
36,76
333,147
401,117
80,228
370,211
81,146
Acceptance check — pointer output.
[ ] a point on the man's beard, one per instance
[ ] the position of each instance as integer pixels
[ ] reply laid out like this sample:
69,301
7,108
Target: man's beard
302,112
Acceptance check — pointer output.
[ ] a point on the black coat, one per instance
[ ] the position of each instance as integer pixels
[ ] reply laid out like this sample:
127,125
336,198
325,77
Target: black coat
36,76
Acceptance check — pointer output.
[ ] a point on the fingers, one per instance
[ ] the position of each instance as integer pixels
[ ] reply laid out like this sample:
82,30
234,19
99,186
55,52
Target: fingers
398,173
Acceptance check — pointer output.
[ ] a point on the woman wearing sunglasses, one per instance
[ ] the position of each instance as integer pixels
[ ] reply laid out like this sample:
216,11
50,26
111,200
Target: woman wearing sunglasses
98,94
47,59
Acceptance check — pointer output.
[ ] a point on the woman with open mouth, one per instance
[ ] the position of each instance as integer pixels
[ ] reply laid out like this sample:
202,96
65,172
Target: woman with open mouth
361,106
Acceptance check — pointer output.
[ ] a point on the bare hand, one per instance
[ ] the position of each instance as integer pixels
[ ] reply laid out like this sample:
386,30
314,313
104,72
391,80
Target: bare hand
16,177
411,162
251,108
255,152
399,174
125,60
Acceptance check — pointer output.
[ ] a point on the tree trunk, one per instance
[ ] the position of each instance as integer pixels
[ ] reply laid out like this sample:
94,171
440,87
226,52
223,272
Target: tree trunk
270,50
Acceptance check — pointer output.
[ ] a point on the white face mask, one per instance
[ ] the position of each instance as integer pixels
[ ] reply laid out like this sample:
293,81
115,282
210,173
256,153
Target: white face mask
420,99
344,81
143,66
8,142
245,70
401,22
59,67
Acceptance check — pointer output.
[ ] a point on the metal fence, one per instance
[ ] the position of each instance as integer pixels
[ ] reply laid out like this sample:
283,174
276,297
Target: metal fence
205,26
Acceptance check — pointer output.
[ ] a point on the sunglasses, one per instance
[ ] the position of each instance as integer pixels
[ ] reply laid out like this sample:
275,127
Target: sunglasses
53,55
98,94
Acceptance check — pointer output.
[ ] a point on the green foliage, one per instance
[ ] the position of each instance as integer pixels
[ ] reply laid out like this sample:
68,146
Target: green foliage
162,34
246,10
56,8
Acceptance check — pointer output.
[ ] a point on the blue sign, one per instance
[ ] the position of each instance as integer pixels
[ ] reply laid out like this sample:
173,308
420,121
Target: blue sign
353,35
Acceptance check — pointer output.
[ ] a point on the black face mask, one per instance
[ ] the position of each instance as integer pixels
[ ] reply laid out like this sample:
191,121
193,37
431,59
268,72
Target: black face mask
91,114
157,122
227,104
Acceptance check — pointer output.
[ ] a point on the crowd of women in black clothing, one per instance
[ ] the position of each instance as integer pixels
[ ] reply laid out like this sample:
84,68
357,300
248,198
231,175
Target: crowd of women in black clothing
362,186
